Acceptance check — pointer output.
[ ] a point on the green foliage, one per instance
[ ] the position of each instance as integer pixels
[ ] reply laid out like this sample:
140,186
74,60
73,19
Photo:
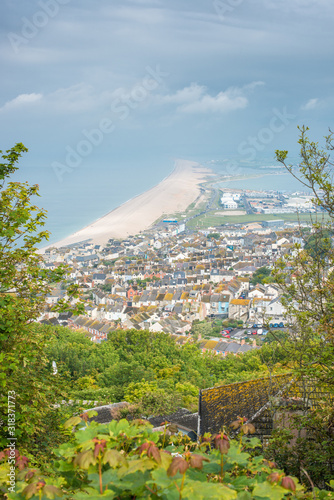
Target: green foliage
319,243
129,460
25,371
132,362
307,279
306,276
311,452
261,275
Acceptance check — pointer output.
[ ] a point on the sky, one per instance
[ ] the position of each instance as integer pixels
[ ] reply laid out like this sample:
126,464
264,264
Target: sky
106,94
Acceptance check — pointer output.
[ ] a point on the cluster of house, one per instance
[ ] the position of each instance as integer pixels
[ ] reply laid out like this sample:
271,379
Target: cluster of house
165,284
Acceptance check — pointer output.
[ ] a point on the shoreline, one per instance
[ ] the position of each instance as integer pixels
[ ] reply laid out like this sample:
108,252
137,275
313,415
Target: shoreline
173,194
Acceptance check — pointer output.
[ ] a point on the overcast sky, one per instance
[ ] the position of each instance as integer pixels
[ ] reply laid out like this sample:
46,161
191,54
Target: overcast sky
97,84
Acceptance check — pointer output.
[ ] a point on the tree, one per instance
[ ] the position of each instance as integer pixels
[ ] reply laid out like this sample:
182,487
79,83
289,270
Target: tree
318,243
307,275
24,369
260,275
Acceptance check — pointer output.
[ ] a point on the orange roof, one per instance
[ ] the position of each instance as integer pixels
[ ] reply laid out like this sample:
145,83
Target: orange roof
240,302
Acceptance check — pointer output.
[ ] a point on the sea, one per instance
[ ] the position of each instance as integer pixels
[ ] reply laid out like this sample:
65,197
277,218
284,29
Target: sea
85,194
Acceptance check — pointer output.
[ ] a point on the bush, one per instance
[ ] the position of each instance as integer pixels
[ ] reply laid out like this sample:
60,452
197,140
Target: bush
128,460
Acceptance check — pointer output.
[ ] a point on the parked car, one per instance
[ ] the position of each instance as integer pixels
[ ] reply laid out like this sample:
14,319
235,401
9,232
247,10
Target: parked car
254,332
259,331
248,332
226,336
281,325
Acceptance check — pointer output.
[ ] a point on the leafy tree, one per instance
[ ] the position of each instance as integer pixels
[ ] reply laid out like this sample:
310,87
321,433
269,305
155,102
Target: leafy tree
24,369
308,288
260,275
306,277
319,243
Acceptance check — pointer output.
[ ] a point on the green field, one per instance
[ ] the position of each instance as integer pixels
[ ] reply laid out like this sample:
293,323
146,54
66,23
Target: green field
216,220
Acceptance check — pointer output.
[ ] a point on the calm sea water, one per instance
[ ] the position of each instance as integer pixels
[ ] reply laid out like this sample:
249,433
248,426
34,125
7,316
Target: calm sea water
282,182
89,192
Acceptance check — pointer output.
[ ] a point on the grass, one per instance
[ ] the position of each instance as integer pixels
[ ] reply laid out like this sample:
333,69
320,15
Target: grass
216,220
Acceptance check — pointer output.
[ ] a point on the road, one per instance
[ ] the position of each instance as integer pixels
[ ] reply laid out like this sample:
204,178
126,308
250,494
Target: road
208,207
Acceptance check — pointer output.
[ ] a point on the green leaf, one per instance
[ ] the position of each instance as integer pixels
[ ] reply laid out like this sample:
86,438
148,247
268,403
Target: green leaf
135,483
113,458
161,479
132,466
236,456
85,459
252,443
211,468
204,491
268,491
242,482
92,494
244,495
52,492
92,413
72,422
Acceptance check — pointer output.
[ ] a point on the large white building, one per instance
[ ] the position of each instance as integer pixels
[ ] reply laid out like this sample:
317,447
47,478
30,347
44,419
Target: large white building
229,200
230,204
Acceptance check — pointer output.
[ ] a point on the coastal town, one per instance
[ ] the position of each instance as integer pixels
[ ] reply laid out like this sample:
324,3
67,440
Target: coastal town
187,282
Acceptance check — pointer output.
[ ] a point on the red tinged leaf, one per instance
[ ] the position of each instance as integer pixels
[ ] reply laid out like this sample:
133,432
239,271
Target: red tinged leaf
40,485
7,452
197,461
288,483
100,445
22,462
222,443
29,474
248,429
270,464
236,424
151,450
84,417
178,465
274,477
143,448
